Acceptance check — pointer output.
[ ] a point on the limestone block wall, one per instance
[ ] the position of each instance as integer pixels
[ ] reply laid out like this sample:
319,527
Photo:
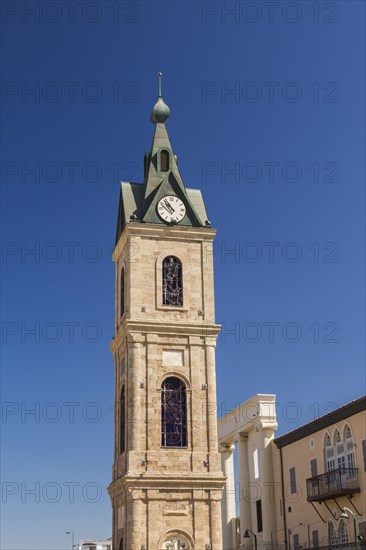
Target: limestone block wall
160,492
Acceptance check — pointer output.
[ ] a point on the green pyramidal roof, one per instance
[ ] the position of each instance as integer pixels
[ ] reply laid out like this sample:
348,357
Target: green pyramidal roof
138,201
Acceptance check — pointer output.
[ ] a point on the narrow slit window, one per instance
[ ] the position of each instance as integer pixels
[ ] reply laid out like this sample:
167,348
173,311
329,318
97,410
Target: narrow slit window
256,464
164,160
258,506
122,412
122,291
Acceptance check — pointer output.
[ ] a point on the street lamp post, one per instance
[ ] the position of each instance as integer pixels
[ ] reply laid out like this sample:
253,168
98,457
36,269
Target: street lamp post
72,538
346,516
247,536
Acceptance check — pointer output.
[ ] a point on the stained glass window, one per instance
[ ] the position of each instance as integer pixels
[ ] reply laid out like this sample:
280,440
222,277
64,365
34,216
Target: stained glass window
122,412
172,282
173,413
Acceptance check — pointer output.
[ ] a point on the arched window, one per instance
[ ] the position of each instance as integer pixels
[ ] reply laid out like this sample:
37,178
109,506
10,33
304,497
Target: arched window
343,532
350,452
329,454
339,449
121,543
122,421
176,542
332,535
172,282
122,291
164,160
173,413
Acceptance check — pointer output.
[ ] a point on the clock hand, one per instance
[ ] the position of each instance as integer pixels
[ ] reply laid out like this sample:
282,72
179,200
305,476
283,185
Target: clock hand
164,206
169,206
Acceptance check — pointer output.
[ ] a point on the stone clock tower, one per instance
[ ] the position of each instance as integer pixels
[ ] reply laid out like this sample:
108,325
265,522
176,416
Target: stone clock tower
167,478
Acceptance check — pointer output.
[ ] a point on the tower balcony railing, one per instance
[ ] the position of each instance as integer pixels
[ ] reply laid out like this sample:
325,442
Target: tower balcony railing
335,483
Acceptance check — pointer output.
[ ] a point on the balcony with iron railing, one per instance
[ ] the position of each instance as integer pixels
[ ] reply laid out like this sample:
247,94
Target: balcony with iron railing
335,483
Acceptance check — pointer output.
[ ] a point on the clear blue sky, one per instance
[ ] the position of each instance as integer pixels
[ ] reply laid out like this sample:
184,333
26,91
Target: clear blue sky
292,130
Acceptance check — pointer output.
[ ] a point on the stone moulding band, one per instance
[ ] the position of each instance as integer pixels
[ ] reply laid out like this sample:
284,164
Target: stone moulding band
185,328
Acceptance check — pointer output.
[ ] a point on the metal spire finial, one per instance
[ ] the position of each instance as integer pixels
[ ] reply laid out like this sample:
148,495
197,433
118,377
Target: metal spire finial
159,83
161,111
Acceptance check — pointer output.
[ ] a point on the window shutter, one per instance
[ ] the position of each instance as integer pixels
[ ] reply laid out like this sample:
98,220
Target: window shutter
296,542
364,454
330,452
315,539
313,467
293,480
340,448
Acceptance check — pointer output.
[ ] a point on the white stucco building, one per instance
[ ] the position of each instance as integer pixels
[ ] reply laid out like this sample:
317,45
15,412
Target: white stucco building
248,432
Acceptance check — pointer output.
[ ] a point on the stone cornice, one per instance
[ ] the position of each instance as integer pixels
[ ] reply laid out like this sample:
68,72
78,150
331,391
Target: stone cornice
173,480
257,412
348,410
174,232
181,328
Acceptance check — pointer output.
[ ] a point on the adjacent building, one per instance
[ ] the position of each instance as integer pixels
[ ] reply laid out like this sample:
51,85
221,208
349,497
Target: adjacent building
248,433
305,489
95,544
321,481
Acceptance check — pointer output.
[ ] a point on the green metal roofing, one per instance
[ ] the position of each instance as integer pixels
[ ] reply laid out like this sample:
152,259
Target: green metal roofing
138,201
130,205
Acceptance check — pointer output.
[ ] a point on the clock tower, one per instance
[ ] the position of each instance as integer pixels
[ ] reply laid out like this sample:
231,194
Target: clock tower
167,479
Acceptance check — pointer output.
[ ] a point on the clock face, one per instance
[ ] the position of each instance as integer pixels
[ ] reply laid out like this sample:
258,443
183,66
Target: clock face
171,209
